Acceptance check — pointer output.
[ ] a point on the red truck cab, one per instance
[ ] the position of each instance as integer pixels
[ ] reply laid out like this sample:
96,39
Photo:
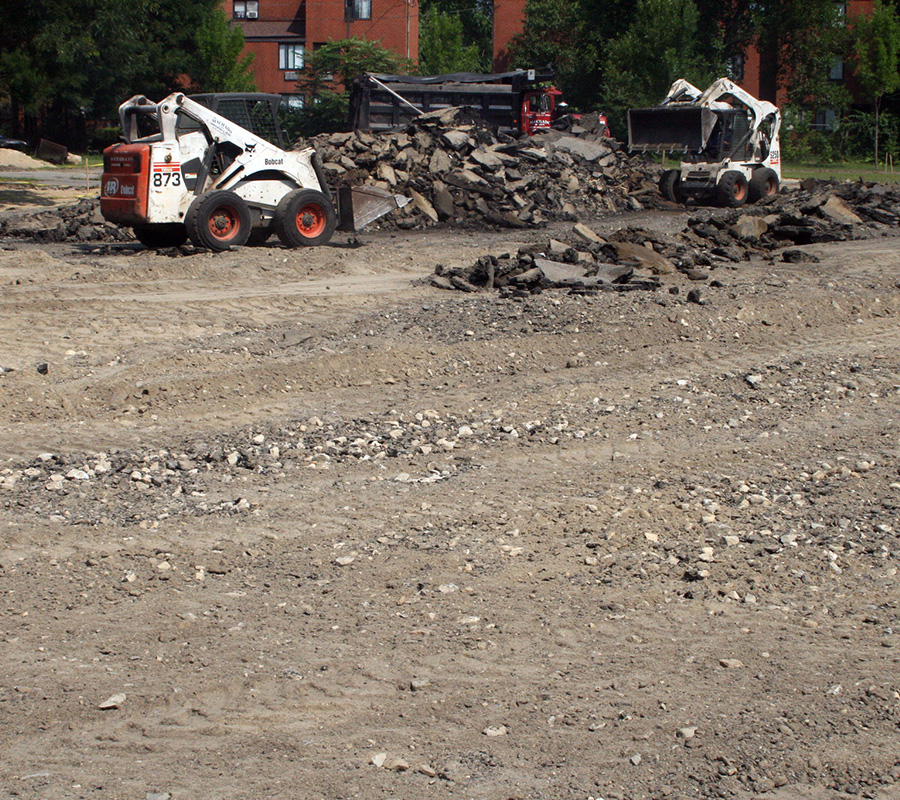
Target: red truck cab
539,109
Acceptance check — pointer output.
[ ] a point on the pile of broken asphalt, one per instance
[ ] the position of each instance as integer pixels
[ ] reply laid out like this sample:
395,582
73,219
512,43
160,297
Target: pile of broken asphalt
460,172
636,258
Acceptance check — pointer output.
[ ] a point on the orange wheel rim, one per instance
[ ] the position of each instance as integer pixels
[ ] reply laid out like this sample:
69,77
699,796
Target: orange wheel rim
739,191
311,220
224,223
771,188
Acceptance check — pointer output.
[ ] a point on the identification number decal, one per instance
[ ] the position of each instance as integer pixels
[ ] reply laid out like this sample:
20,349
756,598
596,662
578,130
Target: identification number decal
166,175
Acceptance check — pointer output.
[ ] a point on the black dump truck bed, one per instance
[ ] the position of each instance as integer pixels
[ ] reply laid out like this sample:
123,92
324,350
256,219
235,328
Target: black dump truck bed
382,102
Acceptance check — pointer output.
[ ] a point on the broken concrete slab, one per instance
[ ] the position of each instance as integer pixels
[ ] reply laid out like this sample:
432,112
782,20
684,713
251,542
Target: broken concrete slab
838,210
589,235
750,227
643,256
423,205
560,274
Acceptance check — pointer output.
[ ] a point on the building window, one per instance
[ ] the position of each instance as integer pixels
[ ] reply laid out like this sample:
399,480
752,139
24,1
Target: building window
837,70
290,56
826,119
246,9
358,9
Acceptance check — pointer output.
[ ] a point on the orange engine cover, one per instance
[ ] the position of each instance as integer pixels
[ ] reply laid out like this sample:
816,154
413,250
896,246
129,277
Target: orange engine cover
125,186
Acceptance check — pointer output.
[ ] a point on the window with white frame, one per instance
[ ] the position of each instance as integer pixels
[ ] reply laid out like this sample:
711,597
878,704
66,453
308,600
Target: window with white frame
358,9
290,56
246,9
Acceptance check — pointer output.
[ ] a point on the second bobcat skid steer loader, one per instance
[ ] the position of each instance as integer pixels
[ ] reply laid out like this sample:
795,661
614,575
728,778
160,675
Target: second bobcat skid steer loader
728,138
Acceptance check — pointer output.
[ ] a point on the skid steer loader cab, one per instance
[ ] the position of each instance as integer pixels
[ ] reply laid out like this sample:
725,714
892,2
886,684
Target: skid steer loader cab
212,169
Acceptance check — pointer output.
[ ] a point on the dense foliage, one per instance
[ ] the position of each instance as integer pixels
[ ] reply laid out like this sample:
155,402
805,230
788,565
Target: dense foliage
875,53
455,36
66,61
441,46
620,54
326,80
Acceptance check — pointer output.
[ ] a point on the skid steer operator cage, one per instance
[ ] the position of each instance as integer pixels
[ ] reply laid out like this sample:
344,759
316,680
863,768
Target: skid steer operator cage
253,111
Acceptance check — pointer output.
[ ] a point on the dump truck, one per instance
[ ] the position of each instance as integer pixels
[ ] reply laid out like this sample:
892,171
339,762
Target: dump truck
213,169
514,102
728,141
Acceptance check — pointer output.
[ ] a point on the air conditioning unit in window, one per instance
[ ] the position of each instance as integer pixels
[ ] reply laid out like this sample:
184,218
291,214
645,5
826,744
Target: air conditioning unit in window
252,14
291,76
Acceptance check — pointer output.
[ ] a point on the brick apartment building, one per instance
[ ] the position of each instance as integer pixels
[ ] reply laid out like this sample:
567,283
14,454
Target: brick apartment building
280,33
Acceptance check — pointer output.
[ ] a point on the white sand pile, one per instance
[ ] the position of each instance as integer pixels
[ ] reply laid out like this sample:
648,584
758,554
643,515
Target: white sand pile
13,159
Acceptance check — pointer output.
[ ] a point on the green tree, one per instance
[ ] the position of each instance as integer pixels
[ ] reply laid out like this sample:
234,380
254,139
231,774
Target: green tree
219,66
658,47
476,20
875,49
338,63
327,77
799,43
441,47
556,35
65,61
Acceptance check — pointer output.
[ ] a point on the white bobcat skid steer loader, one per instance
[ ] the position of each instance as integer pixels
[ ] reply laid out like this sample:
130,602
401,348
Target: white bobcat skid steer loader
729,140
187,171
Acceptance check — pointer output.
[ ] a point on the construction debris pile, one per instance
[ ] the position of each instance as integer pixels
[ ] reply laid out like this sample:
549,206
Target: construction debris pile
635,258
458,171
81,222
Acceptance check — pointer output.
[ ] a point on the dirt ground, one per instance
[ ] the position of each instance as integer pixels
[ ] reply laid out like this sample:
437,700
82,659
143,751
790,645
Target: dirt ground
296,524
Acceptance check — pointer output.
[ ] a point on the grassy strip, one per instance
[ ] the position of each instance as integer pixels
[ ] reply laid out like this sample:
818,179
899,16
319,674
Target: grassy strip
841,171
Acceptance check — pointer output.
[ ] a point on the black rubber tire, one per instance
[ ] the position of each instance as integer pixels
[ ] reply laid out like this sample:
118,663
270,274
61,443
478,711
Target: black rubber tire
218,220
763,183
670,186
166,234
732,190
305,218
259,236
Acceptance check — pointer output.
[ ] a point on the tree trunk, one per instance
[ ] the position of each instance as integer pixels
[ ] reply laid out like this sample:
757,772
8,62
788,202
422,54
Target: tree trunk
877,109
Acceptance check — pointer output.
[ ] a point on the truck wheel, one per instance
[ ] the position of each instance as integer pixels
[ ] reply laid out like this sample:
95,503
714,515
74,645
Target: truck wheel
670,186
166,234
305,217
218,220
732,189
763,183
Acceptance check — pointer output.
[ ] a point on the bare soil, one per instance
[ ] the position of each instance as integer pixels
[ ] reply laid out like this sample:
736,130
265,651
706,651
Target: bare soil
317,529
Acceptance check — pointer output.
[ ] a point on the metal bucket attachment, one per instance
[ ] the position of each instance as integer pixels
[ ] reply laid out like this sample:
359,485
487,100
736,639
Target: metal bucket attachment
670,128
360,205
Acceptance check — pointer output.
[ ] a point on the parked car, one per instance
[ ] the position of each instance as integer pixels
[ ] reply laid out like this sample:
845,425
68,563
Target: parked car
12,144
